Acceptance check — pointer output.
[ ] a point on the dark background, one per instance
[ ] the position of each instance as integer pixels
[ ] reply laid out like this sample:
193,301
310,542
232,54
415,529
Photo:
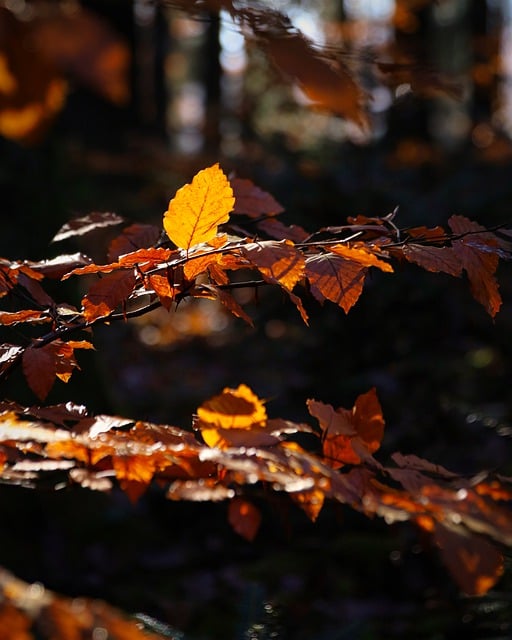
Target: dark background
441,366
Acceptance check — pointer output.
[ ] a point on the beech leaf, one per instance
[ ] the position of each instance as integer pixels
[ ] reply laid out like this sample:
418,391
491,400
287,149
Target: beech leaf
278,262
253,201
87,224
106,294
238,408
40,369
333,278
198,208
244,517
434,259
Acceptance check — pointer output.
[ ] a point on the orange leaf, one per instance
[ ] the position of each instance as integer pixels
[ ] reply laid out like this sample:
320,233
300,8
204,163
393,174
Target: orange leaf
310,501
333,278
475,564
278,262
161,286
106,294
33,317
253,201
244,517
362,256
233,409
478,253
327,83
197,209
349,434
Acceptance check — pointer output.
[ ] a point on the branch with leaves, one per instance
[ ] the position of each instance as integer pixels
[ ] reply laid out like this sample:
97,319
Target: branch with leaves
215,227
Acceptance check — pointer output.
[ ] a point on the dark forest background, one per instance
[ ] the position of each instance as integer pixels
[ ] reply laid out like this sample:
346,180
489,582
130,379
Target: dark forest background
145,95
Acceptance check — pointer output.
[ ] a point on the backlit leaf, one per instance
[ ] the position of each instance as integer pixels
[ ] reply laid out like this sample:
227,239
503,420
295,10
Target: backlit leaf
475,564
349,434
26,316
9,353
434,259
244,517
278,262
477,252
236,408
333,278
361,255
197,209
106,294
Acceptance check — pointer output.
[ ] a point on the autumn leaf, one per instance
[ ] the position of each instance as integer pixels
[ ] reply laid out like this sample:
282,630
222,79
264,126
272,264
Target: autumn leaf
40,369
478,254
238,408
136,236
278,262
350,434
253,201
361,255
433,259
197,209
311,502
244,517
475,563
28,316
280,231
87,224
9,353
106,294
56,267
333,278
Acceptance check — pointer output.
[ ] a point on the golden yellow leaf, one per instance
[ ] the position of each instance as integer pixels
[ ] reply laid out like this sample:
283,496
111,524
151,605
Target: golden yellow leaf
233,409
198,208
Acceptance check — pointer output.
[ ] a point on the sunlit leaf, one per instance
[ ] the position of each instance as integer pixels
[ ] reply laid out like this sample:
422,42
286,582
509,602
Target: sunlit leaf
198,208
278,262
87,224
361,255
106,294
236,408
433,259
333,278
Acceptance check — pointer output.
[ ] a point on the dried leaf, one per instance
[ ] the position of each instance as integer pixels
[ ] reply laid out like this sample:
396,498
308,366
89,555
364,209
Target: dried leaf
280,231
87,224
202,490
9,353
434,259
350,434
40,369
361,255
253,201
333,278
478,253
244,517
278,262
106,294
136,236
56,267
475,564
26,316
197,209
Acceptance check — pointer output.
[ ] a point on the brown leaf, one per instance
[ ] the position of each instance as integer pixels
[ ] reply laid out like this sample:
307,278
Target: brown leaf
253,201
478,253
280,231
349,434
474,563
232,305
106,294
87,224
136,236
434,259
202,490
333,278
244,517
40,369
278,262
310,501
56,267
